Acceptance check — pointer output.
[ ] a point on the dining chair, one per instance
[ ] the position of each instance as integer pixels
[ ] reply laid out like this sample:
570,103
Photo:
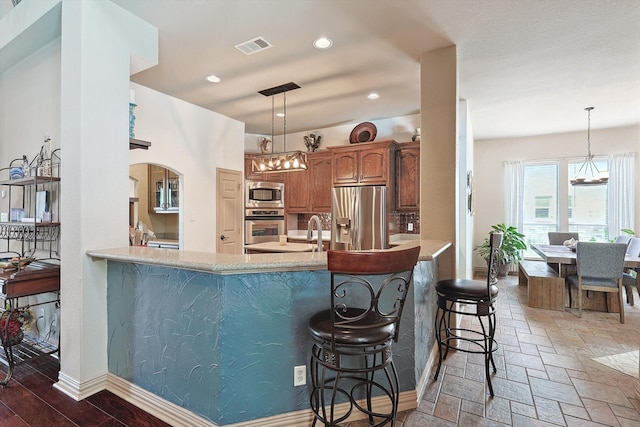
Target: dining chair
623,238
600,268
629,276
559,237
352,363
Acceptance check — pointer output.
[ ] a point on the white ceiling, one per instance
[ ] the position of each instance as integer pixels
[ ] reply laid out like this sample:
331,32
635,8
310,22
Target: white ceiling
526,67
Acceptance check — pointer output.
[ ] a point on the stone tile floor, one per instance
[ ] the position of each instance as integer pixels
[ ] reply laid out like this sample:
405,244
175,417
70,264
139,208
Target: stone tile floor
547,375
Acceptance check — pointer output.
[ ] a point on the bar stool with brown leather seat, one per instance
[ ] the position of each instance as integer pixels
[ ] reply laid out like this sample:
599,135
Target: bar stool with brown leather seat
351,363
469,297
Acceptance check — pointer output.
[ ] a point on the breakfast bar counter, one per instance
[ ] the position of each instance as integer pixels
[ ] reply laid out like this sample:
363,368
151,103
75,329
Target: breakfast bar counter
217,336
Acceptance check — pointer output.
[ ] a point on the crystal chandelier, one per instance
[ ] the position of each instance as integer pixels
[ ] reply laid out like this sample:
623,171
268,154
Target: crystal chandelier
285,161
588,174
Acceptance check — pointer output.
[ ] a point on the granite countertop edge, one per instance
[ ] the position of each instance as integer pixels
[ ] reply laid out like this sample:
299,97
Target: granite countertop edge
233,264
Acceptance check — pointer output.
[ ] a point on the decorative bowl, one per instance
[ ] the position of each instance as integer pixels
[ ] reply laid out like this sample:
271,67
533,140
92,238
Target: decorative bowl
16,173
364,132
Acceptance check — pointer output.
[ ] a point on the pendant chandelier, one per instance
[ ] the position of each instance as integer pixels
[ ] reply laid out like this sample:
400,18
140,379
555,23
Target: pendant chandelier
285,161
588,174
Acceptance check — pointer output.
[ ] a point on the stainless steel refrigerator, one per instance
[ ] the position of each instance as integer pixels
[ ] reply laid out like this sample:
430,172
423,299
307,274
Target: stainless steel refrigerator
358,216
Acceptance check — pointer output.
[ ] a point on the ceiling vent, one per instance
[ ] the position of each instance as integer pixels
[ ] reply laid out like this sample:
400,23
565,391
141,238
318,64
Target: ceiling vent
252,46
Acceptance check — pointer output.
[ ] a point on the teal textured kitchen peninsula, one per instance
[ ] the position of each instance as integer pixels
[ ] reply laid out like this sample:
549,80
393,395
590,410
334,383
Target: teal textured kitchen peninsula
219,335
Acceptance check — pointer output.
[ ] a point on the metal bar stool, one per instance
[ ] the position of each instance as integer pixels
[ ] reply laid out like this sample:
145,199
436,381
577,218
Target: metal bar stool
353,338
469,297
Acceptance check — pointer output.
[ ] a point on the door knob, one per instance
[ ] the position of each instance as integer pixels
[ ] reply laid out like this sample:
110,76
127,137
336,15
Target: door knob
223,237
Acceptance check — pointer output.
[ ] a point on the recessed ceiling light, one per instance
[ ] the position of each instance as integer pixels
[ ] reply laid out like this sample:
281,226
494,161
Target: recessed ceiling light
213,79
322,43
373,95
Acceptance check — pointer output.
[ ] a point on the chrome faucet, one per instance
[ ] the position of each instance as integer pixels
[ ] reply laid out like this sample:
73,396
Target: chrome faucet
310,232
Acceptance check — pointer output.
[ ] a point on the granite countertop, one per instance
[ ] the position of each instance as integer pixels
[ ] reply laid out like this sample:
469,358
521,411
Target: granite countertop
277,247
234,264
399,239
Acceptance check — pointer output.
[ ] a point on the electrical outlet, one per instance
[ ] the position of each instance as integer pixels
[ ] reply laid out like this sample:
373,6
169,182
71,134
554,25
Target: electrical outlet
54,319
299,375
410,226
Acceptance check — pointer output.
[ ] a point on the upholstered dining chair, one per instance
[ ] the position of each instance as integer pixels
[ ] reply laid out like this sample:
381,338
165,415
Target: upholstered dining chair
623,238
628,279
352,363
600,268
559,237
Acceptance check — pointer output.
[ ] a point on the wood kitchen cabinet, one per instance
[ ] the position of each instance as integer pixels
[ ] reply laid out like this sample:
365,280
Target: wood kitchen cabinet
296,191
310,191
320,183
252,176
363,164
408,177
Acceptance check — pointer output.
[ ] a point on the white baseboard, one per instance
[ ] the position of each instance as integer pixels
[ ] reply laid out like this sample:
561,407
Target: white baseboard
426,373
160,408
179,416
79,391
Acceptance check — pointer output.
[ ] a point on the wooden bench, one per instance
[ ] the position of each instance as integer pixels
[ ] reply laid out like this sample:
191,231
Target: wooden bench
544,284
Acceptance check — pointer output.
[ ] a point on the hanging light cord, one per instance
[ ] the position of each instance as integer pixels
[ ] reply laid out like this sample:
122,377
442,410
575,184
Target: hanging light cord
589,131
588,163
284,122
273,116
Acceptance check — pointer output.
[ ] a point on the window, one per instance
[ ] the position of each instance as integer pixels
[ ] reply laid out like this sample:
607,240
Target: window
540,202
582,209
588,206
542,206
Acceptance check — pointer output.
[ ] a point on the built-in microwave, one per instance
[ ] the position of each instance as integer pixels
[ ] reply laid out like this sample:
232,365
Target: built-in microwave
259,194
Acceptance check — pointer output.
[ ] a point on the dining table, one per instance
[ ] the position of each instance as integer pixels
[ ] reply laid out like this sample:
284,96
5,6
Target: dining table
565,256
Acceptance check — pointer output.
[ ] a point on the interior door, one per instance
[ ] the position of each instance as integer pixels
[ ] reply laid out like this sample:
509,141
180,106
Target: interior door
229,211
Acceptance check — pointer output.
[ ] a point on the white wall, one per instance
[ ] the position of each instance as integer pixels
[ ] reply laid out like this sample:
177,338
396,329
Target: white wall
193,142
398,128
490,155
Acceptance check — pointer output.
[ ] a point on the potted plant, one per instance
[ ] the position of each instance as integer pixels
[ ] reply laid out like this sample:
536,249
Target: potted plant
510,251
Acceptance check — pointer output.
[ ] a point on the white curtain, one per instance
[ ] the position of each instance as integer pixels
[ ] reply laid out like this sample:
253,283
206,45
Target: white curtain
513,189
621,193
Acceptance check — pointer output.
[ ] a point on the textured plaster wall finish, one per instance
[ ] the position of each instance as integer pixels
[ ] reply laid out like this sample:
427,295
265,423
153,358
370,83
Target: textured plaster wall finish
438,141
192,141
224,346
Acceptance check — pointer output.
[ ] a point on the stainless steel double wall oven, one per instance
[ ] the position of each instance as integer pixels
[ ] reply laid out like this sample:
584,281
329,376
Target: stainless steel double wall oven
264,211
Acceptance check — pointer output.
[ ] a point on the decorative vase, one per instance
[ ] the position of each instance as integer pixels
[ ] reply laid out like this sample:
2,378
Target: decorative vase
132,120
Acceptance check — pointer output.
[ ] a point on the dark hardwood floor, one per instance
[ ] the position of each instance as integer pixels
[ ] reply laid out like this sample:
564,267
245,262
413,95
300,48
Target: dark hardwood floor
30,400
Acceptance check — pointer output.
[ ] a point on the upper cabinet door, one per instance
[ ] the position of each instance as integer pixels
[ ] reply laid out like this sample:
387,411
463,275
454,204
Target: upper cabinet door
296,191
374,166
345,168
408,181
363,164
320,182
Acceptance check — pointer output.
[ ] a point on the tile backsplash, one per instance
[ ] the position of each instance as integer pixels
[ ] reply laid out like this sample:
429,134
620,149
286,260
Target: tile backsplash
400,222
325,219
